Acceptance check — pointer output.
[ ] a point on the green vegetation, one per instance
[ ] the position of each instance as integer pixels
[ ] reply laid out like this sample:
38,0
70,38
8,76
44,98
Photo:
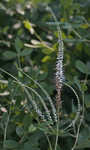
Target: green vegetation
36,111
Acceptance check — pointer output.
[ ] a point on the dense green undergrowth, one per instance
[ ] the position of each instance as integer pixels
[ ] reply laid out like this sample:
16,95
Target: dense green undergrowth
28,50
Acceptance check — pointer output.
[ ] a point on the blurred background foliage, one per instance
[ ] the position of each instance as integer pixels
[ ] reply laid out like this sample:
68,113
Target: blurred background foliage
29,40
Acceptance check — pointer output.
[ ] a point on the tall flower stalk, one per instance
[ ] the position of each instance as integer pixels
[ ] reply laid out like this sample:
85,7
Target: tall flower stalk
59,75
59,63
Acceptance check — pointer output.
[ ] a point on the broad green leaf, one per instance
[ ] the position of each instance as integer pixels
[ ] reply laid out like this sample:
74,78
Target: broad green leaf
10,144
47,51
18,45
87,117
84,26
46,59
27,120
81,66
29,146
9,55
85,143
83,87
20,75
88,67
36,136
84,139
77,82
32,128
19,131
4,116
25,52
28,26
33,142
43,76
87,100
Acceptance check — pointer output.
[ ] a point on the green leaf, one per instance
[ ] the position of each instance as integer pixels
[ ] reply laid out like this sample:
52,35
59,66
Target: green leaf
27,25
81,66
84,139
10,144
46,59
36,136
47,51
77,82
20,75
18,45
87,117
85,143
25,52
19,131
28,146
33,142
88,67
32,128
87,100
9,55
84,87
43,76
27,121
